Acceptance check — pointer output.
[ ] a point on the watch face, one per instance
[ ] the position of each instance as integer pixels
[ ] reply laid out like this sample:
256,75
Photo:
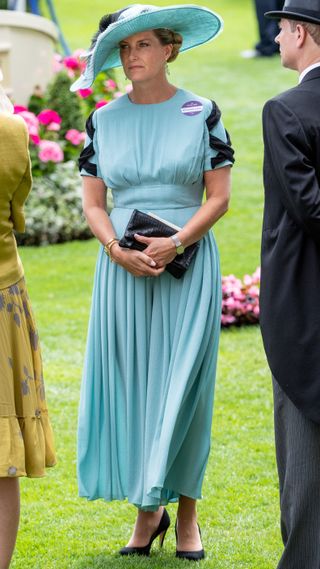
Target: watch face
180,249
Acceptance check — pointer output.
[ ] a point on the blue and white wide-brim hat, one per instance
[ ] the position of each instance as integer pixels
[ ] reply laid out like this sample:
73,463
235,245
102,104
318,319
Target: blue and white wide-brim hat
197,25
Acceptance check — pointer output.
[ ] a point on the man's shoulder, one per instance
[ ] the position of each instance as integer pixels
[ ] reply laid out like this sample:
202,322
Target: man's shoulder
298,100
286,98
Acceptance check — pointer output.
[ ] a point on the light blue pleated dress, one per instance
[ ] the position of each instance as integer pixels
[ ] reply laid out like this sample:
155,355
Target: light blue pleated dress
149,374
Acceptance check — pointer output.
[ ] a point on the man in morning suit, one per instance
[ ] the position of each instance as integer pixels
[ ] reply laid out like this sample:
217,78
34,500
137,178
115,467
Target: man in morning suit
290,280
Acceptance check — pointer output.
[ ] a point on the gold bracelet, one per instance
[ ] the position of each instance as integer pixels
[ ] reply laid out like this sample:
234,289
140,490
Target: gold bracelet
108,246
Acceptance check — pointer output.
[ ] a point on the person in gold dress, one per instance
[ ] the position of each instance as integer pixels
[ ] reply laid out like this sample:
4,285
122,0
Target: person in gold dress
26,438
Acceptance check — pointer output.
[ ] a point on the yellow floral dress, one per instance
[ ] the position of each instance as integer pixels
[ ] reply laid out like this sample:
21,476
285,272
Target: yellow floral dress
26,439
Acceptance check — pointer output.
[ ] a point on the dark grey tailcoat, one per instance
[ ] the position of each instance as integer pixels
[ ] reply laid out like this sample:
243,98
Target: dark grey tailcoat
290,257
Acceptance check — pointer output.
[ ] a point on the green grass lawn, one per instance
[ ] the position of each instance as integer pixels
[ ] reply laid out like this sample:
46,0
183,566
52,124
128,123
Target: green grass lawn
239,513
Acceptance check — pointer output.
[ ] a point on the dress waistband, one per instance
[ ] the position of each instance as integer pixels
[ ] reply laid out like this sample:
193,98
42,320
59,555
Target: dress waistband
158,196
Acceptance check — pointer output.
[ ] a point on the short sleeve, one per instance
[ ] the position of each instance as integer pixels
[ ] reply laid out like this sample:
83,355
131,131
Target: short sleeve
88,160
218,149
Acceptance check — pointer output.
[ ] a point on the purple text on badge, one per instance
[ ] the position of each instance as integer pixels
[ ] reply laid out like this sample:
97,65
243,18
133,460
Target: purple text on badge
192,108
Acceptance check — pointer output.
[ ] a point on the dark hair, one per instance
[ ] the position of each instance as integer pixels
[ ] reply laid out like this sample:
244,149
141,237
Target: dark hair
167,37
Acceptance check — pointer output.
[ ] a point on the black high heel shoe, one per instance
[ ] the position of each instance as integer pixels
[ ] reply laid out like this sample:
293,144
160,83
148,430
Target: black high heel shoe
190,555
160,531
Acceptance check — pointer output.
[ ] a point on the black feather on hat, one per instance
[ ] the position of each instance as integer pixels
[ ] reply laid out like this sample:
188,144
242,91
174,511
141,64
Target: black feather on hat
103,25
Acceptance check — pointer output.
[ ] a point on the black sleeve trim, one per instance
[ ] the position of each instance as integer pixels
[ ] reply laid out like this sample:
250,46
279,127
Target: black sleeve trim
225,150
88,151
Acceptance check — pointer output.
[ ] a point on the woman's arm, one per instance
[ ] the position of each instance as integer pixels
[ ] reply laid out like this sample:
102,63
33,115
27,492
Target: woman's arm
218,185
94,207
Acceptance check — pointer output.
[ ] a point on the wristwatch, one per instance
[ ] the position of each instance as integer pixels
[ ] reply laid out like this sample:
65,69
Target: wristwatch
178,245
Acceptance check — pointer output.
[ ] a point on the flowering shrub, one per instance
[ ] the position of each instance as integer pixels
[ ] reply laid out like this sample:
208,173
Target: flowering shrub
240,300
51,141
105,87
47,148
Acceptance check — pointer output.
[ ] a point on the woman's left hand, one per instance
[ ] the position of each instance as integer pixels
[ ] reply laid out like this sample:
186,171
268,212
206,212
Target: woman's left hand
161,249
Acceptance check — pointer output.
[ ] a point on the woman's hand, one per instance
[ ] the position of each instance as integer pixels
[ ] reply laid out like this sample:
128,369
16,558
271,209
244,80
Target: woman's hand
161,249
136,262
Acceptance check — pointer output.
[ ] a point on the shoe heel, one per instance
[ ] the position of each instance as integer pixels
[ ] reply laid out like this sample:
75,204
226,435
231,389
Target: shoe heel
161,537
159,532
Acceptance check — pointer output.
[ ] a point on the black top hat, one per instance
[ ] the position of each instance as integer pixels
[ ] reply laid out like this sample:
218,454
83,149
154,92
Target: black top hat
304,10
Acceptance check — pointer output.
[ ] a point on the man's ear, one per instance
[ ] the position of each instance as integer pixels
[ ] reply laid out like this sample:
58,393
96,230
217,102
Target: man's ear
301,35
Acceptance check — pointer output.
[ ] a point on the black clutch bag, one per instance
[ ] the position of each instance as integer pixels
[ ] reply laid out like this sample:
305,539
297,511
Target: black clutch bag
149,225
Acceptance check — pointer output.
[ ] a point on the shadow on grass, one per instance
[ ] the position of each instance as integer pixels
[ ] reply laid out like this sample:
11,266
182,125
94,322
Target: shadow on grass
155,561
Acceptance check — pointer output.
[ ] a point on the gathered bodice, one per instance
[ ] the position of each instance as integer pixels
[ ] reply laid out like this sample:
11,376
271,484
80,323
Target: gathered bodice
158,152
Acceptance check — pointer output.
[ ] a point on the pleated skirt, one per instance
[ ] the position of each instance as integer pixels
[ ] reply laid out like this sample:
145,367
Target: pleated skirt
148,384
26,438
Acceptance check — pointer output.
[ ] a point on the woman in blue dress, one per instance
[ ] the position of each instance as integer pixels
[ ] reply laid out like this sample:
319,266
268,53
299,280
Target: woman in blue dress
148,385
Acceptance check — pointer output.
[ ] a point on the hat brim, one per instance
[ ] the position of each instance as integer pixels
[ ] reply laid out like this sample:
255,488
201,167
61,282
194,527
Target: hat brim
196,25
278,15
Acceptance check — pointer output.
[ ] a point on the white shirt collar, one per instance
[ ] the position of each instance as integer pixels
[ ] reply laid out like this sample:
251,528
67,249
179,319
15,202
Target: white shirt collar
305,71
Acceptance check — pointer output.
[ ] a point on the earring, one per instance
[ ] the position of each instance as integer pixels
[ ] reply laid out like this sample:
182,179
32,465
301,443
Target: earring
167,69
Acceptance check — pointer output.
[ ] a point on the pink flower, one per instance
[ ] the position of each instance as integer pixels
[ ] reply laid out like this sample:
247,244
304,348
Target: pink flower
71,62
239,296
53,126
71,74
110,84
32,125
47,116
227,319
247,280
230,303
256,276
35,139
82,63
50,151
19,109
253,291
84,93
75,136
128,88
117,94
101,103
30,119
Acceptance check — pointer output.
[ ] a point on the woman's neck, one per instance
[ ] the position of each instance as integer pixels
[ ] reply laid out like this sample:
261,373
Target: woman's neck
151,92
